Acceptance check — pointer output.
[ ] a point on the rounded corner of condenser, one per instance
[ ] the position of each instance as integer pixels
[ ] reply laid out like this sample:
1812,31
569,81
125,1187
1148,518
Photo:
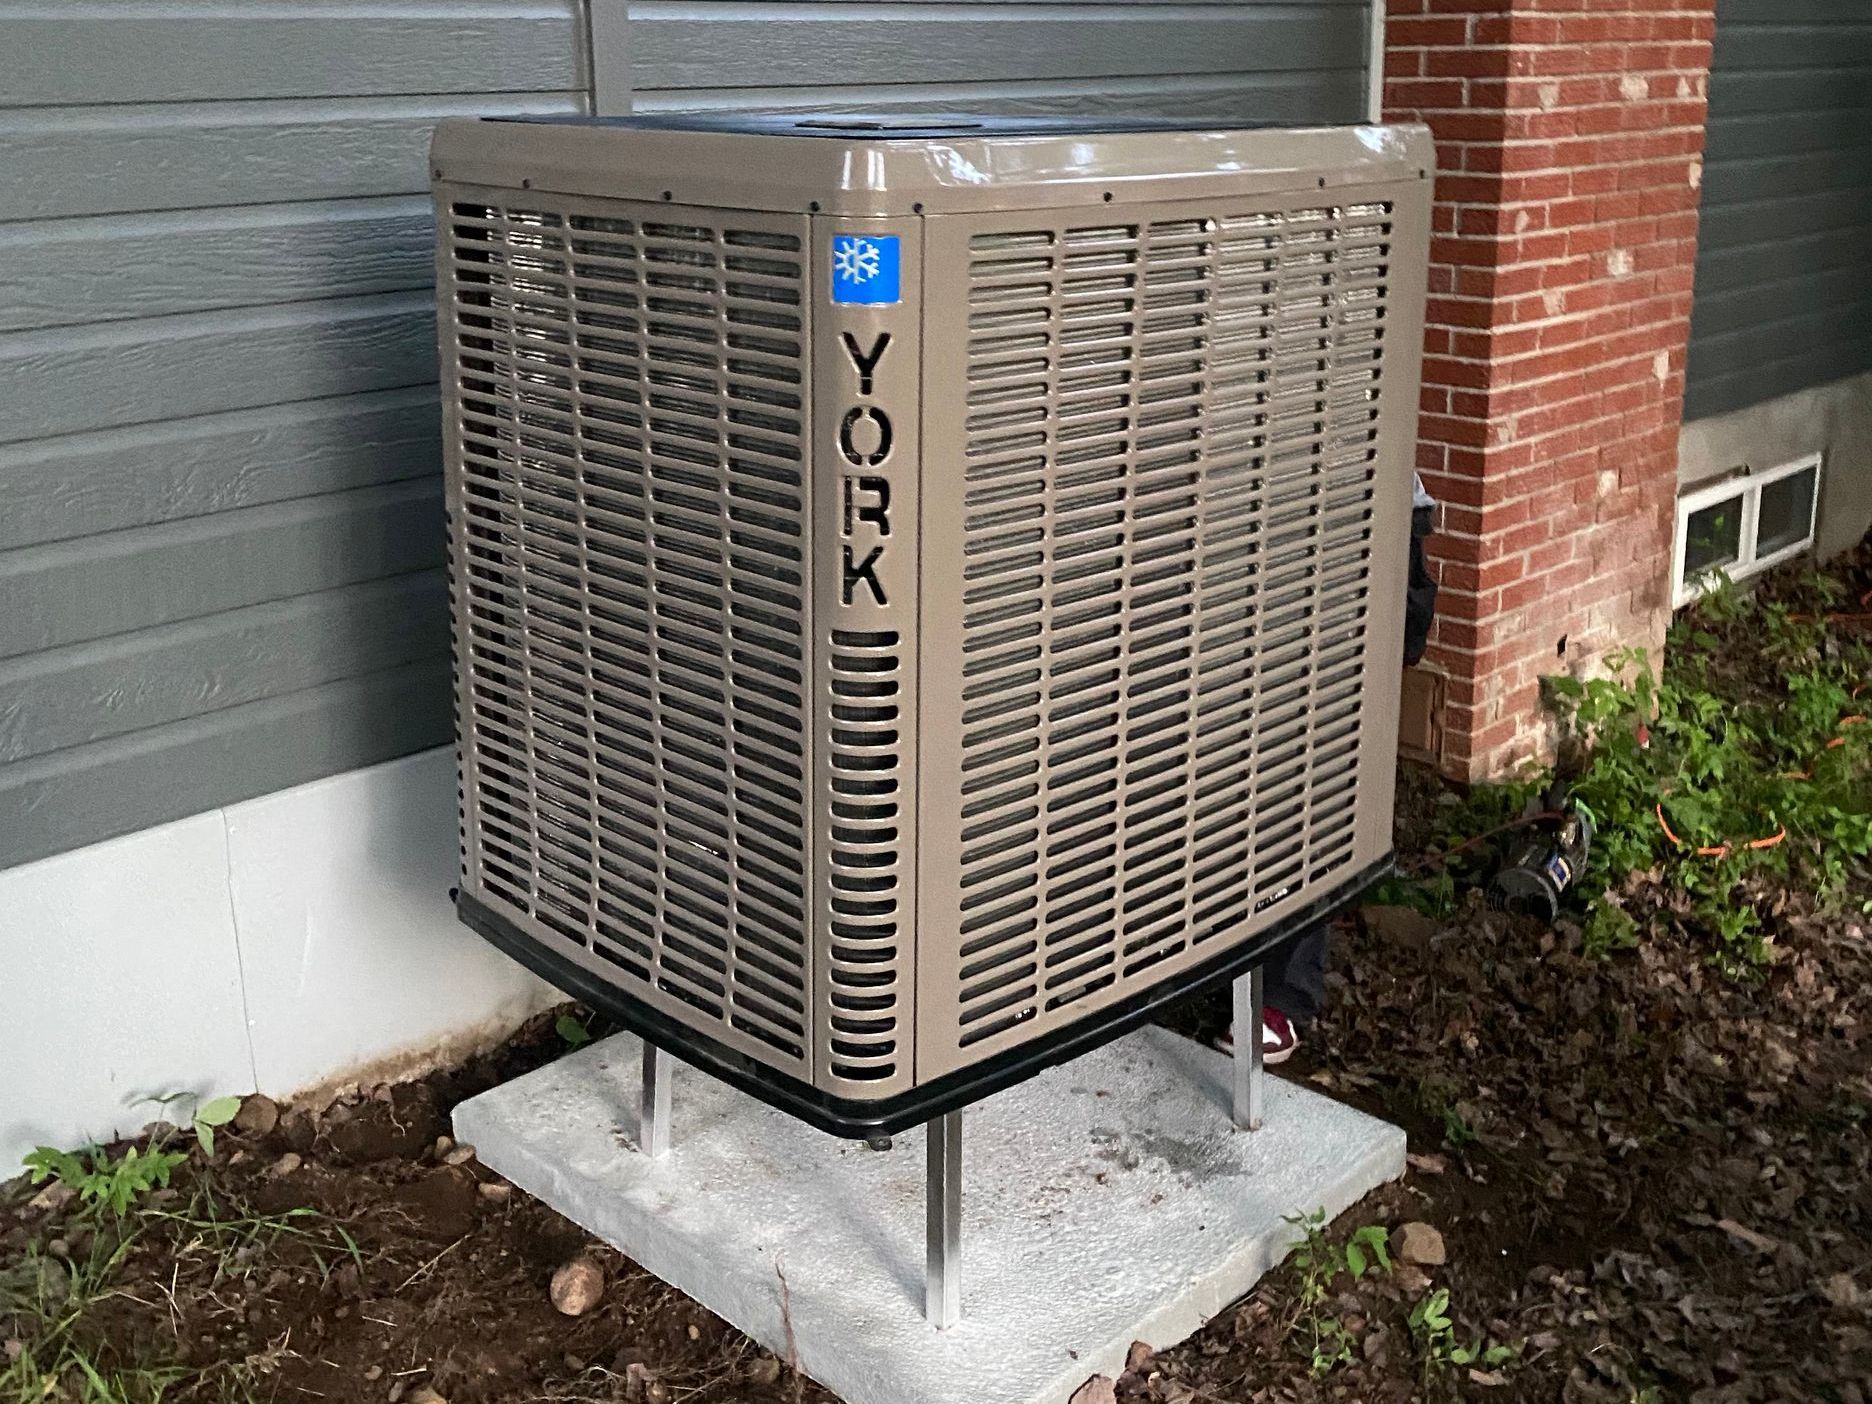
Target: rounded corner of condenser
448,139
1417,146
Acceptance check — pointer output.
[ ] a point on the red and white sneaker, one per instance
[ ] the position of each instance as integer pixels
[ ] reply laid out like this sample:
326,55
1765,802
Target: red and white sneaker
1278,1038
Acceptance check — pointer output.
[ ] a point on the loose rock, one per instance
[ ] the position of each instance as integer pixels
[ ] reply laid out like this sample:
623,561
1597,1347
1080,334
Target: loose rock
1419,1243
258,1115
286,1164
577,1286
1097,1390
298,1130
641,1384
461,1155
764,1371
53,1197
496,1191
1138,1358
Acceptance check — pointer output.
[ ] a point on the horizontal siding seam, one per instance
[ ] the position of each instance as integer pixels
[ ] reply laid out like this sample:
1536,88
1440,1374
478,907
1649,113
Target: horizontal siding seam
58,757
15,774
1805,275
49,662
177,326
129,541
11,227
261,113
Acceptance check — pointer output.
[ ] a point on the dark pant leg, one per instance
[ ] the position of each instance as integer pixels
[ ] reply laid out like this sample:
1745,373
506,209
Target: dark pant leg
1294,980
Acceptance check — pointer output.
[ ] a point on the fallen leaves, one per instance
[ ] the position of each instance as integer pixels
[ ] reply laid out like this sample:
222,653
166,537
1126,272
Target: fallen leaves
1842,1291
1746,1236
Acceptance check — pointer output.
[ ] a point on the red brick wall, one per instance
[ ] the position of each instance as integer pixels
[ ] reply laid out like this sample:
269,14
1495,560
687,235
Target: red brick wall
1569,140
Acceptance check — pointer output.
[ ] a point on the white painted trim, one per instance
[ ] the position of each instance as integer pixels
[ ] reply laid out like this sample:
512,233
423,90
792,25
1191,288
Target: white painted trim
1748,488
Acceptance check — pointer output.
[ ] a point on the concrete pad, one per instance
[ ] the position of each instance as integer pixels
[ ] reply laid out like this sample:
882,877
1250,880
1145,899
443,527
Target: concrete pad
1105,1201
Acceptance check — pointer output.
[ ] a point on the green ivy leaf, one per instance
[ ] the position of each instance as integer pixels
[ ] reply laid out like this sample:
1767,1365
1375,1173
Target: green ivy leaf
219,1112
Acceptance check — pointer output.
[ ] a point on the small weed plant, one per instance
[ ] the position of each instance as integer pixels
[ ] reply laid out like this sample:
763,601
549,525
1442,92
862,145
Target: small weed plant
204,1117
1437,1100
58,1304
1434,1333
111,1184
1320,1263
208,1116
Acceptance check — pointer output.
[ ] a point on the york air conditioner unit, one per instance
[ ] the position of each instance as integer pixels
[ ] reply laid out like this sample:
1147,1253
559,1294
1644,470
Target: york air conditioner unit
925,595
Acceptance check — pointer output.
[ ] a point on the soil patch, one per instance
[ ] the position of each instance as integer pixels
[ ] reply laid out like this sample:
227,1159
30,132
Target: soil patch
1652,1178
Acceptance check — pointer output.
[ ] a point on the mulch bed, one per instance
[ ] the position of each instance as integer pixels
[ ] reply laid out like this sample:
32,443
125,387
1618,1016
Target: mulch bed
1652,1177
1668,1192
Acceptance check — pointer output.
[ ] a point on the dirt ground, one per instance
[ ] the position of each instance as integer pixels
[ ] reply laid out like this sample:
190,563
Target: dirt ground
1652,1180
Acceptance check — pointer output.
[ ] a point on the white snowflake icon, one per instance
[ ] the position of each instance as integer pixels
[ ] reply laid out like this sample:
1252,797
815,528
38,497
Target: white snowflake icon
856,260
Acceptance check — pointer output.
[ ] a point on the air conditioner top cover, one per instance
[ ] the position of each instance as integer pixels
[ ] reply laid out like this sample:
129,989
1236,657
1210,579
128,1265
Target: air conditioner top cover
925,593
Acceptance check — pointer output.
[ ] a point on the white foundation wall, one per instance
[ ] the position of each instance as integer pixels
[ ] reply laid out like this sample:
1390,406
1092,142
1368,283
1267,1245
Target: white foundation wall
276,945
1833,419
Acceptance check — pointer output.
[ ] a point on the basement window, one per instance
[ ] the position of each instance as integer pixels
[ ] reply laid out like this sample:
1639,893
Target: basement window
1742,526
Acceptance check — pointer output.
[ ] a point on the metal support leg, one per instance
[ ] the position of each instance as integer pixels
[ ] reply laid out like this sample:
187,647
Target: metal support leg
942,1301
654,1110
1248,1054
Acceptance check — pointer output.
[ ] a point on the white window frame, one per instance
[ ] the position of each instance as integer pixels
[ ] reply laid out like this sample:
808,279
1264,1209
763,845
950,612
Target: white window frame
1748,487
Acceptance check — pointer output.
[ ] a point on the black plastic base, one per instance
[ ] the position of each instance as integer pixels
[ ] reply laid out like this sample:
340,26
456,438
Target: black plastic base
858,1120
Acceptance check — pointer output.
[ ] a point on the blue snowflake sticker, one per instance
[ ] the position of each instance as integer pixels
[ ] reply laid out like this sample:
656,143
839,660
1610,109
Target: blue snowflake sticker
867,269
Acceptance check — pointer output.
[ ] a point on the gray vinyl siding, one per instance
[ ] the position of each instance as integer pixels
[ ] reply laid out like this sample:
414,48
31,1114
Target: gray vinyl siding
220,533
1784,280
1299,61
220,528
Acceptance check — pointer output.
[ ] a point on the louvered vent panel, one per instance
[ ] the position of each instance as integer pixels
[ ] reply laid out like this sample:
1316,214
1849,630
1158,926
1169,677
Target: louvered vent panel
1318,278
1169,445
867,982
631,557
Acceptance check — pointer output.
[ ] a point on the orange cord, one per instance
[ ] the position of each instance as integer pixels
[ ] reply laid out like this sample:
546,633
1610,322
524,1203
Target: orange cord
1865,600
1845,722
1722,851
